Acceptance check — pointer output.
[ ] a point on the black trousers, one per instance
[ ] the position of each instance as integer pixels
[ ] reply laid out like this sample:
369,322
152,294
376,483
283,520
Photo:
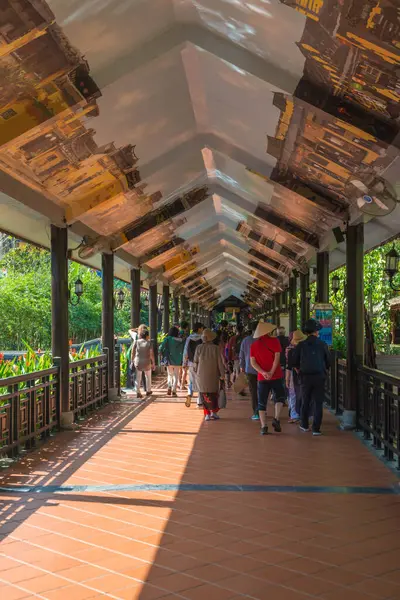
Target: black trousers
297,389
313,393
252,379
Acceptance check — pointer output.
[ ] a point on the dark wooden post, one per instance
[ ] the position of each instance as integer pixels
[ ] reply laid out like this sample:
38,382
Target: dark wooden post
292,303
355,319
322,277
107,325
135,297
304,299
176,310
166,316
153,318
276,309
183,309
59,317
192,315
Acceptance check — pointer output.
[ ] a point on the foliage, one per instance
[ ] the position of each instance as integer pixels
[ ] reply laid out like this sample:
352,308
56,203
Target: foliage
124,365
84,353
25,301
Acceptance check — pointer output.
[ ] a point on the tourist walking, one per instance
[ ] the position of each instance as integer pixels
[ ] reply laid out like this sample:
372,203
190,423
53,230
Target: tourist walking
210,372
293,378
312,360
131,370
251,373
184,334
265,357
234,350
191,344
171,350
143,360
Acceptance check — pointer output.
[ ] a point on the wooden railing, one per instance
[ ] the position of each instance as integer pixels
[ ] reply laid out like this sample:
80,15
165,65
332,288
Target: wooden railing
378,412
29,409
88,384
30,404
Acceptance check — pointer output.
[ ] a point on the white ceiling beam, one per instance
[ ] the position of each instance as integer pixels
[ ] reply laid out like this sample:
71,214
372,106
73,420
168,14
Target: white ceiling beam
205,39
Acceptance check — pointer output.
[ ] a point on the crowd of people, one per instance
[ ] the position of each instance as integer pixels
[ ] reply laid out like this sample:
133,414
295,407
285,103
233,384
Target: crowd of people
285,370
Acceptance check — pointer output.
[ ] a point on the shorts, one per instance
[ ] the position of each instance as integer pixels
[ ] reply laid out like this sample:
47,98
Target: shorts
264,389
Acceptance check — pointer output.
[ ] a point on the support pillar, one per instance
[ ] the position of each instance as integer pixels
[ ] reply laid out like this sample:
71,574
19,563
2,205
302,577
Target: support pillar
184,314
355,320
192,315
107,318
275,309
304,299
176,310
166,315
153,318
59,318
322,277
292,303
135,298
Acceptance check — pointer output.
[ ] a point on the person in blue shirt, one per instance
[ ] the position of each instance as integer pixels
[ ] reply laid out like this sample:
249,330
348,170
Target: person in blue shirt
245,367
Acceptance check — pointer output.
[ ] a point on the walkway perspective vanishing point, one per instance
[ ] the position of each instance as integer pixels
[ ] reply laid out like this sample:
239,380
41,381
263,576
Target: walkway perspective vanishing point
148,501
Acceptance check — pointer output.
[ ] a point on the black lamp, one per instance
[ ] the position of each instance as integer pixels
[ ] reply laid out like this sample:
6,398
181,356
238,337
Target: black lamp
78,290
335,284
392,260
120,299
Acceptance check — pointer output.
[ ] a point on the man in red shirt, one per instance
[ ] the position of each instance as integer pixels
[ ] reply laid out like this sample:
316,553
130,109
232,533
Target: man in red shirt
265,355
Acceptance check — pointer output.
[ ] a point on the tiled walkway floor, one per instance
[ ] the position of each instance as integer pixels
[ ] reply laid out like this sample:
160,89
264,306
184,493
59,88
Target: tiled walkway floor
198,545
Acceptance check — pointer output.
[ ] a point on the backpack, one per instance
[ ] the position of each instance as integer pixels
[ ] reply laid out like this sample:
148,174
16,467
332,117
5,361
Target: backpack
164,354
311,358
192,349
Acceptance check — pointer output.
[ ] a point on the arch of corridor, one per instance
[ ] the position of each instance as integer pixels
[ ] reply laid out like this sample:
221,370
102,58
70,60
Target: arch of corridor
266,131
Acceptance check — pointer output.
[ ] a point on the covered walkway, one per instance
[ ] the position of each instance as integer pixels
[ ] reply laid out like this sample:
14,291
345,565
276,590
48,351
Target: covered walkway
155,503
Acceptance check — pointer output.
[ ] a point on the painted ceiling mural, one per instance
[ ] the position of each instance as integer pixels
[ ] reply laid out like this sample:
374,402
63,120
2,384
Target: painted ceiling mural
251,149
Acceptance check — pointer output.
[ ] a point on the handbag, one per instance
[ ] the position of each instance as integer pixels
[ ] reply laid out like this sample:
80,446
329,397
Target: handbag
240,383
222,397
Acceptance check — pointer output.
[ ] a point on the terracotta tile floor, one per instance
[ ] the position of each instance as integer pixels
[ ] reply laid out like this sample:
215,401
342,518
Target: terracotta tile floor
197,543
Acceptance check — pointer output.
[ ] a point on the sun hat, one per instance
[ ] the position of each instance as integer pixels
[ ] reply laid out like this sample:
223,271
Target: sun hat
297,337
263,328
208,335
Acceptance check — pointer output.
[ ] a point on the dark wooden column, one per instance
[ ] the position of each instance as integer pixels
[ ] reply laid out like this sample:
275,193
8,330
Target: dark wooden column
153,317
268,309
322,277
59,317
177,315
192,315
292,303
166,315
184,315
304,299
135,297
355,319
276,308
107,323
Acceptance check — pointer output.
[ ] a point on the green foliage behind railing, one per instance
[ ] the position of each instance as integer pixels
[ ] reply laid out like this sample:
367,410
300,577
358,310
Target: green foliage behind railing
32,362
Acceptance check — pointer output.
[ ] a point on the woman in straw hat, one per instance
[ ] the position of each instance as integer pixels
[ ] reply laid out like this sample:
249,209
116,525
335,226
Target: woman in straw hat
292,377
210,372
265,358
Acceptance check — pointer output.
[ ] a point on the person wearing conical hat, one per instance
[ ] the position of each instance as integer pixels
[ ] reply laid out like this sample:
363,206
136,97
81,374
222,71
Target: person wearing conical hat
265,358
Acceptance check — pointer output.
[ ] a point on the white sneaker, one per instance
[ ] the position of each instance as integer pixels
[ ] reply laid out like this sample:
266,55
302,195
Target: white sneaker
207,418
